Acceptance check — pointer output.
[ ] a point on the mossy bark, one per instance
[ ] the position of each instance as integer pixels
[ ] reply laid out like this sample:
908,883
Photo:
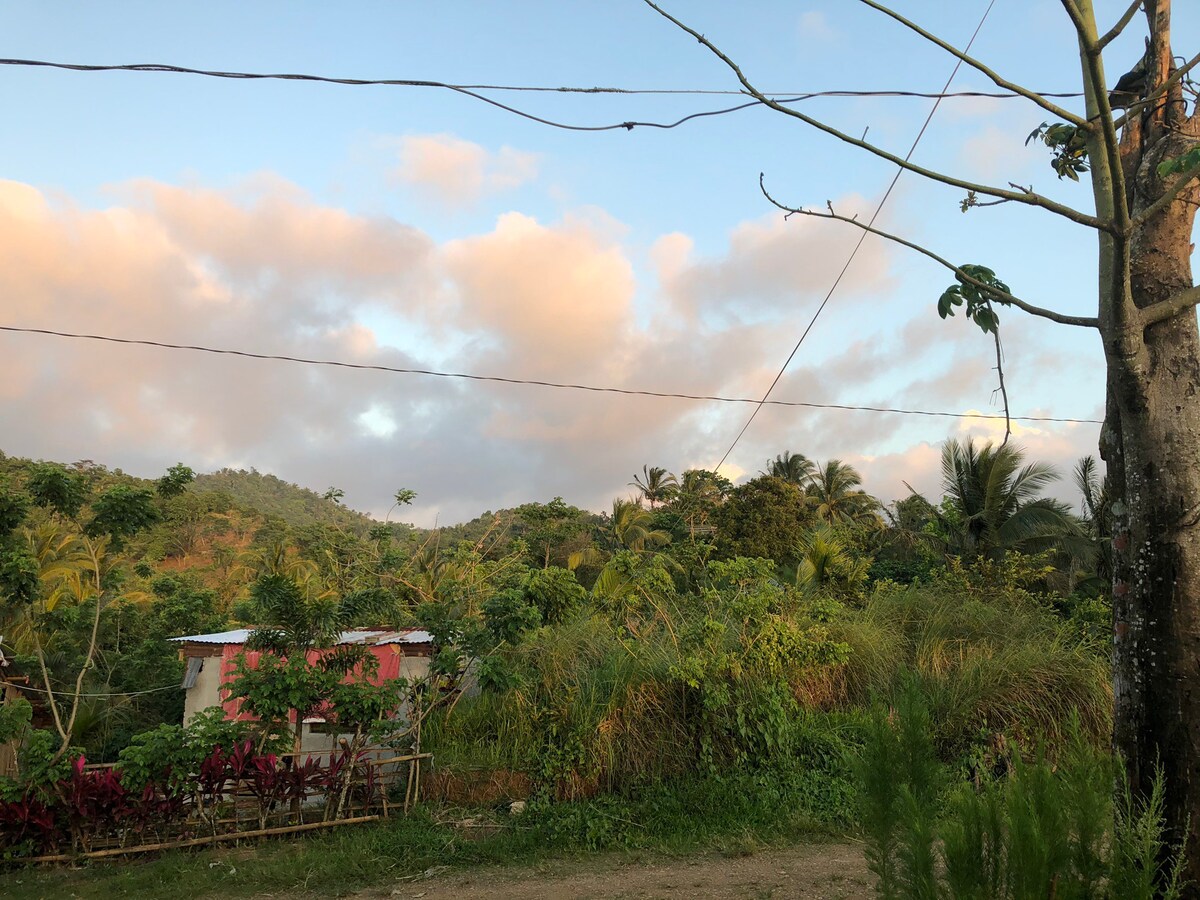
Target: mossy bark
1151,443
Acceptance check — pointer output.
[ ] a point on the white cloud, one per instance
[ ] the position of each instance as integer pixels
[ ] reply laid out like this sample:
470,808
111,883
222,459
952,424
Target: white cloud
458,173
814,27
263,267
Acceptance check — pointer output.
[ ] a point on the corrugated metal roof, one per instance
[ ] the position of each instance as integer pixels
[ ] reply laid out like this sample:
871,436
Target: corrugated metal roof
239,636
408,636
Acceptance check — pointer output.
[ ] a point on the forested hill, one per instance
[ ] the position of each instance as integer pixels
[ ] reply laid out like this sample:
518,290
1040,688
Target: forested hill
271,496
251,492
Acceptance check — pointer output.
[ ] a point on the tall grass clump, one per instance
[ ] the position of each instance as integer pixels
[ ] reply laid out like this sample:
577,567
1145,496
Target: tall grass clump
584,709
684,685
1004,663
1044,830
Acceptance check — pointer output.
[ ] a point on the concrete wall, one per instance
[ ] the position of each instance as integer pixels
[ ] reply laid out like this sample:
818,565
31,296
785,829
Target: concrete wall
206,691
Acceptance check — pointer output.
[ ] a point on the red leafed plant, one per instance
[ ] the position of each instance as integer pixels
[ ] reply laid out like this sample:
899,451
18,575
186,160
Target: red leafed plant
26,826
94,807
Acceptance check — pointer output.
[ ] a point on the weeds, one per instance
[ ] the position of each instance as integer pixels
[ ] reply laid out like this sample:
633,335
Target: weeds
1044,831
736,815
1001,664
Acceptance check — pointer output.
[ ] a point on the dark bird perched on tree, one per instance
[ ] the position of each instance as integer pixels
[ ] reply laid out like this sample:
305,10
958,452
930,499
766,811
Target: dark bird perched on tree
1131,86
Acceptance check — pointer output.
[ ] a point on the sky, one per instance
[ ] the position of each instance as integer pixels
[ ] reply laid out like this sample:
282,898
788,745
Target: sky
420,228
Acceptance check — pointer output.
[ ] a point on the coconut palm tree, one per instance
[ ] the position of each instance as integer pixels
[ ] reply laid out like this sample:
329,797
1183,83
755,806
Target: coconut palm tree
656,484
994,502
700,492
73,570
630,528
827,563
794,467
1094,490
296,625
837,495
1097,501
278,558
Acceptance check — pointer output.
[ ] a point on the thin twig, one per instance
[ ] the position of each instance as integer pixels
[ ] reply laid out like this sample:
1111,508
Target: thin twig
993,292
1000,373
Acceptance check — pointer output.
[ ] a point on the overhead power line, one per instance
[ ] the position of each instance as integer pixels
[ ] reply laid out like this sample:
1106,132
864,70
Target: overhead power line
861,239
418,82
472,90
274,357
70,693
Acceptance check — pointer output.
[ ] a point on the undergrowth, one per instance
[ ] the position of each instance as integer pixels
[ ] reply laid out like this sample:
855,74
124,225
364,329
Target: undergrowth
735,813
1043,829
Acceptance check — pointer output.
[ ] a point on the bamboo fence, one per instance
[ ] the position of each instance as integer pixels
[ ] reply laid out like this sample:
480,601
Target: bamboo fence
379,786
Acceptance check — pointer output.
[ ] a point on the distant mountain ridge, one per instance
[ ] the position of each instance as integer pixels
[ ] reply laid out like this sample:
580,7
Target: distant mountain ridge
252,491
272,496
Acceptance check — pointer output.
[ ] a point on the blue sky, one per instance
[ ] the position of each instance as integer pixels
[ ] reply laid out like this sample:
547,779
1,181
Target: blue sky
416,226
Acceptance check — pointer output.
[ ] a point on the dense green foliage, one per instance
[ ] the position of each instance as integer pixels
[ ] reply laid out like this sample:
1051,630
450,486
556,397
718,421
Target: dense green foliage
713,635
1022,828
272,497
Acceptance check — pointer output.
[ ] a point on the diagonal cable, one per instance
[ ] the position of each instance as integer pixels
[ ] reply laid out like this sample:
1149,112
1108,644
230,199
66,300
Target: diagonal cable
861,238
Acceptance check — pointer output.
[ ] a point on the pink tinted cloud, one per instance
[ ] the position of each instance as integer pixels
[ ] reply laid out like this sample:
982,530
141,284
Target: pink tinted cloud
458,173
263,266
559,297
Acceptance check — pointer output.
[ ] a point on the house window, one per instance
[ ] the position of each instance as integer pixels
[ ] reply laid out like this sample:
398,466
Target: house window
194,665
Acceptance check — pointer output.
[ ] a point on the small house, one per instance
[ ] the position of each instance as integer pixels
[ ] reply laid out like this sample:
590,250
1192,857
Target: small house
210,660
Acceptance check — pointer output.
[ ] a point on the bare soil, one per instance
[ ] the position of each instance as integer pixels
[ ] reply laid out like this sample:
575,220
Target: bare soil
833,871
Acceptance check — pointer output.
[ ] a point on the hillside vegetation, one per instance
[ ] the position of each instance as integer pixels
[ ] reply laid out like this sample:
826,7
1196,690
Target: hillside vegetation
700,646
268,496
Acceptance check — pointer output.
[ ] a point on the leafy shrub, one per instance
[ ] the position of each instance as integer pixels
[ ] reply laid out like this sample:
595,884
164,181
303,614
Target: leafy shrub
1044,831
994,663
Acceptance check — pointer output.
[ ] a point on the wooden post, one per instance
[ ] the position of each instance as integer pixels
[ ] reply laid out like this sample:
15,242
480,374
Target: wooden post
8,750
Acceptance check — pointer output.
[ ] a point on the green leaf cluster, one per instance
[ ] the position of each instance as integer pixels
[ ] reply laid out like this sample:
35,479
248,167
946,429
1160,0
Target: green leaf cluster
1069,144
1180,164
977,300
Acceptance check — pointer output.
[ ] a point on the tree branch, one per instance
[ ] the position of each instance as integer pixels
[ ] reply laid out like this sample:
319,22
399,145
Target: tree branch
1122,22
994,293
1000,374
1093,70
996,78
53,703
1028,198
1080,25
1172,306
1182,182
94,551
1159,91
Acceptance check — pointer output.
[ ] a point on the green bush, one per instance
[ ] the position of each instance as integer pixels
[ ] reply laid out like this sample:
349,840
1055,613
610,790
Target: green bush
1003,663
1043,831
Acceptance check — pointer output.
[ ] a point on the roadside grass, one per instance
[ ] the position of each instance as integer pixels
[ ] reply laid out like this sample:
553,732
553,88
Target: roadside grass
734,814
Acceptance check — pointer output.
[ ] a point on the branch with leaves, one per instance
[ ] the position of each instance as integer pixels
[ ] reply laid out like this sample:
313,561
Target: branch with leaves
1188,169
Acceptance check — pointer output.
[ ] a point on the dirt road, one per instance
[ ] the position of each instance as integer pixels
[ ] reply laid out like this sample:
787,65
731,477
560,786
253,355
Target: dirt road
813,872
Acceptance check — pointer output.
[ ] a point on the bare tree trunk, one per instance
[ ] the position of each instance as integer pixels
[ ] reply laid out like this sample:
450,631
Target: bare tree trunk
1151,443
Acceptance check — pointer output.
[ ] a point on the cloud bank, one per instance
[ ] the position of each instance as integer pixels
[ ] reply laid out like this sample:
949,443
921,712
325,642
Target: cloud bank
263,266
